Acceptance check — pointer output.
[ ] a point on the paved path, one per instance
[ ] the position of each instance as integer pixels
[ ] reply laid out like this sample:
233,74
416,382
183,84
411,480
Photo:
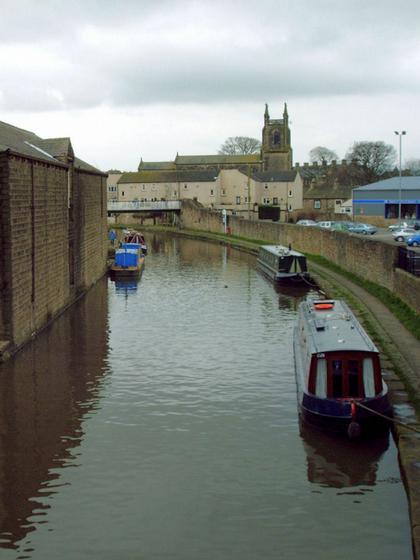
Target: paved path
404,350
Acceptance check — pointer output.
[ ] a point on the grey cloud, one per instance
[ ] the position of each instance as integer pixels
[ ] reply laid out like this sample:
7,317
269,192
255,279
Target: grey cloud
147,52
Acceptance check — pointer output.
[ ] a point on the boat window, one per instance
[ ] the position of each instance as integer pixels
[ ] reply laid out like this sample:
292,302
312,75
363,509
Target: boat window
353,378
337,378
368,377
321,378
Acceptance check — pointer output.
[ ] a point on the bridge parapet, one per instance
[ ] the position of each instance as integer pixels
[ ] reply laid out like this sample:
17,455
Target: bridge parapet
139,206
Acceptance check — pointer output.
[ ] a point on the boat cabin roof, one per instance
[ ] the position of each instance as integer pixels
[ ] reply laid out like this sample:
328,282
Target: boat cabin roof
332,327
280,251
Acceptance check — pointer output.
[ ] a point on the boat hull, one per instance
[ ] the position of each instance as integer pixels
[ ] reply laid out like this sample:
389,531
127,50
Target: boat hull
116,271
282,277
336,416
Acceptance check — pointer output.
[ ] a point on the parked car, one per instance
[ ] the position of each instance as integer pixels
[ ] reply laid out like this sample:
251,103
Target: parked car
415,224
306,223
403,234
365,229
325,224
342,226
414,241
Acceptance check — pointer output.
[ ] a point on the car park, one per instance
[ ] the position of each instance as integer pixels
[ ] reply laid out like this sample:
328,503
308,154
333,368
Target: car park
414,241
306,223
403,234
365,229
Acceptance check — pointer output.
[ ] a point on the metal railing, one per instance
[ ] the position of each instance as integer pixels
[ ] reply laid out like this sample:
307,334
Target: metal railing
139,206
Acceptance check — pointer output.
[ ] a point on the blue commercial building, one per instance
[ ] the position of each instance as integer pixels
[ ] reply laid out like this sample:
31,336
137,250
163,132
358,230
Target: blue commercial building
384,198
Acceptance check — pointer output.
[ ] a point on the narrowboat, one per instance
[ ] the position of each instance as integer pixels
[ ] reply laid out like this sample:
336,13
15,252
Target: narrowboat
135,237
128,261
282,264
338,372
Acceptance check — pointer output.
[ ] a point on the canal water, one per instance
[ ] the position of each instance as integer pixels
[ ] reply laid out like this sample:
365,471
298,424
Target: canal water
158,421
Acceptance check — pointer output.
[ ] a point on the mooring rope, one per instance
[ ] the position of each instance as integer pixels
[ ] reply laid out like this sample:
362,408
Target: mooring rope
387,417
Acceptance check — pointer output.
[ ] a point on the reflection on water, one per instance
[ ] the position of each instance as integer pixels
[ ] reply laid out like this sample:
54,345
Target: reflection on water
158,420
337,462
46,393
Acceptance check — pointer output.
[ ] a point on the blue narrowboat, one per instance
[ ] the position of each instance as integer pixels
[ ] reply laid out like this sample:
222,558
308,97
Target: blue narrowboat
128,261
338,372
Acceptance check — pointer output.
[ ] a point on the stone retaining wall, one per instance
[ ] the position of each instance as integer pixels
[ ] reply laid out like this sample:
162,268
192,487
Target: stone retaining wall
365,256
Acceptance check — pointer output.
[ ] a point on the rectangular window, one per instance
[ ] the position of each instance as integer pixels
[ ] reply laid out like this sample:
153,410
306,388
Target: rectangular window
211,192
223,192
368,378
317,204
353,378
337,378
338,202
238,200
275,200
321,378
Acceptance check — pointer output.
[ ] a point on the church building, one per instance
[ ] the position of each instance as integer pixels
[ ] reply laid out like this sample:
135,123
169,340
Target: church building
275,153
232,182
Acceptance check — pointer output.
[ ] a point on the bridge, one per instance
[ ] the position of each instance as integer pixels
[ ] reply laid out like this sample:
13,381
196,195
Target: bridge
139,206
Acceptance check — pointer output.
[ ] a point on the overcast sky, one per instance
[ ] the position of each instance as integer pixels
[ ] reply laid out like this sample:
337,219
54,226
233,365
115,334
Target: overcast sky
149,78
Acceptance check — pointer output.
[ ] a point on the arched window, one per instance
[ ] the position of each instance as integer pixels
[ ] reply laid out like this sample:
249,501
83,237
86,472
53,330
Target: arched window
276,137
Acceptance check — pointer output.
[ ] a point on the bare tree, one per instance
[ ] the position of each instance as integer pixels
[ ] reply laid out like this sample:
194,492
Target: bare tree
239,145
320,154
413,165
374,159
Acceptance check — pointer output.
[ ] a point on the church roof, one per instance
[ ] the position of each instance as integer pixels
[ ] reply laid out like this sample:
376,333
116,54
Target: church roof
168,177
274,176
156,165
217,159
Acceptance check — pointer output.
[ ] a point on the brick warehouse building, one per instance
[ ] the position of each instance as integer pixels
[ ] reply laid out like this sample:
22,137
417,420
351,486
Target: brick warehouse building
53,224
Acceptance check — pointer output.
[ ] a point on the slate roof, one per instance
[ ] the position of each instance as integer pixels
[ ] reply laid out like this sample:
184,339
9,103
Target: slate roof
156,165
57,146
168,177
29,144
217,159
407,183
274,176
324,191
23,142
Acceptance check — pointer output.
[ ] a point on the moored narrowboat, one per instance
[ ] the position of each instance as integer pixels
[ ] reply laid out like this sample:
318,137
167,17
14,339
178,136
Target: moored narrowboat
282,264
128,261
136,238
338,372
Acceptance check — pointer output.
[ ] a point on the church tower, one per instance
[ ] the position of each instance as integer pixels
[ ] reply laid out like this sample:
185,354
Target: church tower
276,147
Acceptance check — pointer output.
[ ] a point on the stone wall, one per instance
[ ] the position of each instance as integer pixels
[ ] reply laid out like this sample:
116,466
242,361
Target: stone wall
50,253
364,256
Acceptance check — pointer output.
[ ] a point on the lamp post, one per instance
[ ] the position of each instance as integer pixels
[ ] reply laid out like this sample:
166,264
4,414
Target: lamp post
400,135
